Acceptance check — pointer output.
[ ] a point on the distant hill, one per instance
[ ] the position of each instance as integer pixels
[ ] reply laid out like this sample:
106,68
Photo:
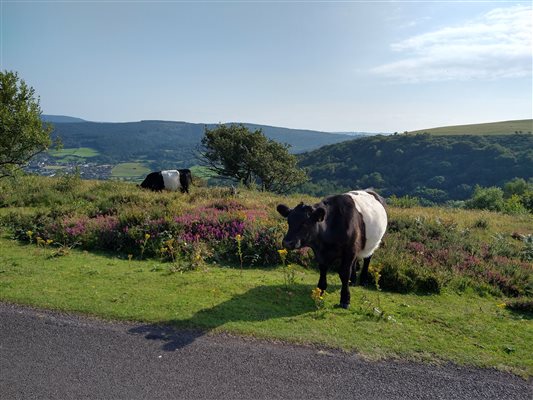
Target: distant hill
431,167
491,128
300,139
60,119
162,144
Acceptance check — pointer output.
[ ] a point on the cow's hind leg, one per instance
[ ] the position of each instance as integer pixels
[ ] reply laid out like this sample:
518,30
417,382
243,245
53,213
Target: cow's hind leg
364,271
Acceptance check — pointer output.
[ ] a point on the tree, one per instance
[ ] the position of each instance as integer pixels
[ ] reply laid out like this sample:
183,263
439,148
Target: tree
22,133
517,186
236,153
490,198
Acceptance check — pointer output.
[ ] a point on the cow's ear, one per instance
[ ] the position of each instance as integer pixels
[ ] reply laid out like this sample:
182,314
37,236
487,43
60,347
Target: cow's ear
318,214
283,210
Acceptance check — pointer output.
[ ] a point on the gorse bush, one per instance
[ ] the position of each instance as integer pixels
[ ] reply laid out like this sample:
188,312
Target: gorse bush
422,252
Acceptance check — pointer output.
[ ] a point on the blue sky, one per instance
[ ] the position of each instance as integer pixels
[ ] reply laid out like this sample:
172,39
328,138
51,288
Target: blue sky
331,66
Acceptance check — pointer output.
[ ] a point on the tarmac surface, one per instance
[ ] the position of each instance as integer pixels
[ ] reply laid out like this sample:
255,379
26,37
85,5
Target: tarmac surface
50,355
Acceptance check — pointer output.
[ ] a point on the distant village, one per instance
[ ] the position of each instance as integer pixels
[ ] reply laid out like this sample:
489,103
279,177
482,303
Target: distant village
47,165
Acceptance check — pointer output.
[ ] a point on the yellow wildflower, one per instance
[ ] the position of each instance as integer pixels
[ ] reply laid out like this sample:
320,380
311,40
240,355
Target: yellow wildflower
316,294
147,236
501,305
318,298
283,252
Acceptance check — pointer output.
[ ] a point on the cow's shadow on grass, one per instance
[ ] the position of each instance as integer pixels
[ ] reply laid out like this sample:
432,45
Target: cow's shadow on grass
261,303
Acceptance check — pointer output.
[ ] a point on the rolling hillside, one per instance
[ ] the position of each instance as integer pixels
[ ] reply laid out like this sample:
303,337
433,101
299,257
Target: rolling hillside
161,144
433,168
60,119
74,131
491,128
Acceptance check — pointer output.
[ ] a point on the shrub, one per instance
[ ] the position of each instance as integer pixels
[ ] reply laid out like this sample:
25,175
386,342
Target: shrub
404,276
481,223
404,201
67,183
526,254
513,205
521,304
486,199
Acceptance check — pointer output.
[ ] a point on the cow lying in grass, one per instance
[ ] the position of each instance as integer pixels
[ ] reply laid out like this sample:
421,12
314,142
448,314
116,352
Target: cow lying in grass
171,180
346,228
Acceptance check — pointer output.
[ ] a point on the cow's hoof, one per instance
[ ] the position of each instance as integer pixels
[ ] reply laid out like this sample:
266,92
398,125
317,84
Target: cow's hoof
344,305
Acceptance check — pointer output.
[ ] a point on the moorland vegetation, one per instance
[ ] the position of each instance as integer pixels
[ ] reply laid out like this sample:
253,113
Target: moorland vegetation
425,249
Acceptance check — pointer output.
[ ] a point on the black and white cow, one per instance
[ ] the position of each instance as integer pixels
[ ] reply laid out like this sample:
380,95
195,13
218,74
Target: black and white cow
346,228
172,180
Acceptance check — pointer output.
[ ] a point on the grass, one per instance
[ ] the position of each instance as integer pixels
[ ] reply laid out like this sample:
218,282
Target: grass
130,171
202,172
466,329
74,153
493,128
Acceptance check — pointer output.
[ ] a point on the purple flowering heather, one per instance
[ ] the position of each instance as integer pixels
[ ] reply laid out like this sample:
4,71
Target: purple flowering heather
208,224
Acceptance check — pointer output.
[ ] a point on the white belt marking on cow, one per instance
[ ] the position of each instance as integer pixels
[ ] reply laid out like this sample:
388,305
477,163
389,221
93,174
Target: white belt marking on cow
374,217
171,179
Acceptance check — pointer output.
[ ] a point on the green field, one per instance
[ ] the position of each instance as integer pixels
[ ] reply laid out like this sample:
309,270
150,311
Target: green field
133,171
491,128
73,154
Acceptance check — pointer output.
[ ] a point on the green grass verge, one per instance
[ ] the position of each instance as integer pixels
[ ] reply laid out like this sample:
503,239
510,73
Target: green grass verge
492,128
466,329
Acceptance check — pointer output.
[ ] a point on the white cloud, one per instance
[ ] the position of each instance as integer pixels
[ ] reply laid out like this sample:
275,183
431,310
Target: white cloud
495,45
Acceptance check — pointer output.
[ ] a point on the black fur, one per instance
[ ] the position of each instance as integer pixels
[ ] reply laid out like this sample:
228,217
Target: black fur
153,181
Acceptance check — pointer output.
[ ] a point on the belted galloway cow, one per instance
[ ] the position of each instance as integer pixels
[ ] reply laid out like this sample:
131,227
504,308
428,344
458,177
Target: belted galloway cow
342,228
171,180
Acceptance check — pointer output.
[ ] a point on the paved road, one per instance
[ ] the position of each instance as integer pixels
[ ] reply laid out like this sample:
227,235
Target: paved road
46,355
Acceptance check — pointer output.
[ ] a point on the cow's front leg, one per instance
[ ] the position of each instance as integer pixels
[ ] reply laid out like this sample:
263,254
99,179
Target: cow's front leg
344,273
323,281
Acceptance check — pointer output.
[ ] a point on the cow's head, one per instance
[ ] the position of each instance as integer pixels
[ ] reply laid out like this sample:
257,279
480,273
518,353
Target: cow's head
303,224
